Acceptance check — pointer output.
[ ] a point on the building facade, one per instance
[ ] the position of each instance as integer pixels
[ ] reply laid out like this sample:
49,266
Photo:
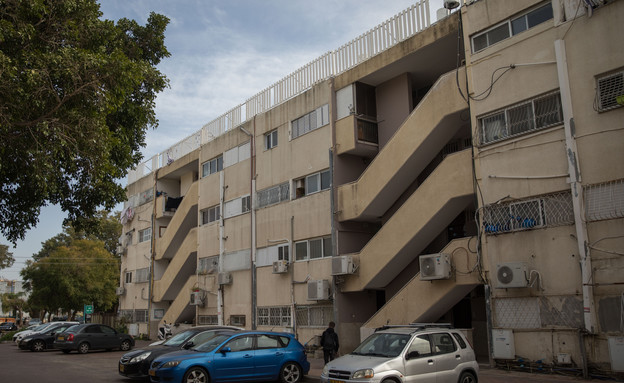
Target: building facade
466,171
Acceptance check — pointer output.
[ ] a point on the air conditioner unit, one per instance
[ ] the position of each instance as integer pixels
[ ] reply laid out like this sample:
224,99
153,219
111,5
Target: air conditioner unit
511,274
343,264
197,298
225,278
120,290
280,267
318,290
435,266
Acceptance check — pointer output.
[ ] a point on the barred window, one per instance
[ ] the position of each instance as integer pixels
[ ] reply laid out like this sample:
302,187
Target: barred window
273,195
610,91
535,114
142,275
274,316
208,320
237,320
134,316
314,316
604,201
549,210
145,235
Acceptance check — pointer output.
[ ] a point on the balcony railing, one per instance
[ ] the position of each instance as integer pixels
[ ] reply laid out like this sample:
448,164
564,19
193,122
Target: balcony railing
369,44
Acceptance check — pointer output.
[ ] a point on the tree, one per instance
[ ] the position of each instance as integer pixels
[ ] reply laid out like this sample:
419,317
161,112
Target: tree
77,95
71,276
16,303
6,257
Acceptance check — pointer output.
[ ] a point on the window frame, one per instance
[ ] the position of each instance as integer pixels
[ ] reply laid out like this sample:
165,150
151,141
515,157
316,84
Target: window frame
304,190
271,140
208,212
325,242
128,277
207,167
145,235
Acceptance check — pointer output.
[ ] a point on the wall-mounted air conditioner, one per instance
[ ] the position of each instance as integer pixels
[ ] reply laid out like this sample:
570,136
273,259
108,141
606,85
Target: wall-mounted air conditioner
225,278
197,298
511,274
318,290
435,266
120,290
280,267
343,264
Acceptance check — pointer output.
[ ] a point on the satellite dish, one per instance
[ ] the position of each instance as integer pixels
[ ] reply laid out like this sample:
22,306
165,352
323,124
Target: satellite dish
451,4
505,274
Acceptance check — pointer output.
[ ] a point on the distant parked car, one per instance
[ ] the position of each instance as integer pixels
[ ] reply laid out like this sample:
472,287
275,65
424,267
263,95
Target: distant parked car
41,341
41,328
92,336
8,326
255,356
136,363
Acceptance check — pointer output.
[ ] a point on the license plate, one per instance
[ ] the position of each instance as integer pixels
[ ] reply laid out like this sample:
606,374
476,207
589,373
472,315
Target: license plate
121,367
336,381
60,338
152,372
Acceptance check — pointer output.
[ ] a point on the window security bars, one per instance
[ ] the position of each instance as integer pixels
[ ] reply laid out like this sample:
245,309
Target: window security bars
604,201
609,89
134,316
273,195
274,316
539,113
314,316
545,211
208,320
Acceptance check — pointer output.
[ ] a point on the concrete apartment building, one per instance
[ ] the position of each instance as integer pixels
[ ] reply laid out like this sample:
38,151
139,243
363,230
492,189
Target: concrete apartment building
468,171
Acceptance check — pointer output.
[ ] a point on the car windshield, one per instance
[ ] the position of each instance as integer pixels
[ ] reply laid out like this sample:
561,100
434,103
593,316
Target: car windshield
212,343
178,339
382,344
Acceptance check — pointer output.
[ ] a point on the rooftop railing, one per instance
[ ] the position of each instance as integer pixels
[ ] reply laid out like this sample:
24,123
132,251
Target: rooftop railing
369,44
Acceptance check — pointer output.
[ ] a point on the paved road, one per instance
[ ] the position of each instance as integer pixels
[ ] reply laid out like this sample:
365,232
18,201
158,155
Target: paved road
101,366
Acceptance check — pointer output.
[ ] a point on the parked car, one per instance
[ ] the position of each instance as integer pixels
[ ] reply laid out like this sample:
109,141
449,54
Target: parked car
136,364
41,341
8,326
244,356
428,353
41,328
92,336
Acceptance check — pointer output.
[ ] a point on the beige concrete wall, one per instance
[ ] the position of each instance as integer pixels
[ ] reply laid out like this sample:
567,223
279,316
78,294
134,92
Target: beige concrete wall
394,104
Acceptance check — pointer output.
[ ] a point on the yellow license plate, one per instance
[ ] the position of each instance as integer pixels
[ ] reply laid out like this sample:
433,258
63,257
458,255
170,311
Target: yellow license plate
121,367
152,372
336,381
60,338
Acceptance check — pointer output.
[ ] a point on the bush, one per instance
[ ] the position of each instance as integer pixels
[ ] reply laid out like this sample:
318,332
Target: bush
8,335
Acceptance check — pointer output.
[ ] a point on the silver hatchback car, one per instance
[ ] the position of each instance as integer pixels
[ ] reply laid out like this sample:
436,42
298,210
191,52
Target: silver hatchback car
414,353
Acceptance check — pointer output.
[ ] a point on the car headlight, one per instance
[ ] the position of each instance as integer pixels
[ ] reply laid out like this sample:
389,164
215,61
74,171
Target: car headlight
140,358
367,374
326,371
170,364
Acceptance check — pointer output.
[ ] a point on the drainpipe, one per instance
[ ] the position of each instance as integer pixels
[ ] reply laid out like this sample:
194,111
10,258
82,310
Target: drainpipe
252,193
152,258
333,190
293,303
221,247
589,310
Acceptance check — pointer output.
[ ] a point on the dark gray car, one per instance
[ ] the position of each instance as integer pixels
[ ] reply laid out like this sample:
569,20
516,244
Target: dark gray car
91,336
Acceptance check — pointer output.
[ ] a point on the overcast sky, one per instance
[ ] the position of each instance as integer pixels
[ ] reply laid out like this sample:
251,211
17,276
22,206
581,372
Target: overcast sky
222,53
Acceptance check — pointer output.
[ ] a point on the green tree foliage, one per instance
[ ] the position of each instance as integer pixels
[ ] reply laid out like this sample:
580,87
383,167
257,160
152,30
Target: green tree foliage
6,257
16,303
77,94
71,276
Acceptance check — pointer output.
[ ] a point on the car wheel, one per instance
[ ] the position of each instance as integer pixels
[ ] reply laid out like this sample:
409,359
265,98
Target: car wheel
83,347
467,377
196,375
291,373
65,351
125,345
38,345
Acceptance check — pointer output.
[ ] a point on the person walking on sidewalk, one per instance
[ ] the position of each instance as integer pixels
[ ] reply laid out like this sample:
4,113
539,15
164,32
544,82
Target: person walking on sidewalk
329,342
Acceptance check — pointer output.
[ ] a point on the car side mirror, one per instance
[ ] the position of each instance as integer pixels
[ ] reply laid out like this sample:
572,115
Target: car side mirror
413,355
53,332
188,345
225,350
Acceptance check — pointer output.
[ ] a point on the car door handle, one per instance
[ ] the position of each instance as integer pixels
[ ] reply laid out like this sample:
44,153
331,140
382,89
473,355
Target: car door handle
279,353
247,356
458,357
430,361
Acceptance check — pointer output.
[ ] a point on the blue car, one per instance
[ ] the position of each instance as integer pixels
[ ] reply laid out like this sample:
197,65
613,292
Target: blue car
245,356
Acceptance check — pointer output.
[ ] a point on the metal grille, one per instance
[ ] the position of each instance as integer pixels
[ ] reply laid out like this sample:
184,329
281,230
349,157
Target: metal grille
314,316
538,312
134,316
367,131
274,316
609,89
538,113
604,201
546,211
208,320
516,313
273,195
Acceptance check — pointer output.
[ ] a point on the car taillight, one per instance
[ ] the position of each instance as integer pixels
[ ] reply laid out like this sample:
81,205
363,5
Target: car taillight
70,337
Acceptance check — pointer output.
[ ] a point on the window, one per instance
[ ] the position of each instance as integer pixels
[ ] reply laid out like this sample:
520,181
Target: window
128,278
236,207
273,195
313,249
142,275
269,341
512,27
270,140
208,320
539,113
604,201
242,343
282,253
210,215
237,320
609,90
422,345
146,196
145,235
246,204
208,265
312,184
213,166
443,343
310,122
274,316
314,316
140,316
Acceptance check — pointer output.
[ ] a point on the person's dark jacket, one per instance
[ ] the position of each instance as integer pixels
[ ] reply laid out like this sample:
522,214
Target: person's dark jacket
329,340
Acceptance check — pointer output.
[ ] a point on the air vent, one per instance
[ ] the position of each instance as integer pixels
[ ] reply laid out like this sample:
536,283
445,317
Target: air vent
280,267
511,275
610,91
435,266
